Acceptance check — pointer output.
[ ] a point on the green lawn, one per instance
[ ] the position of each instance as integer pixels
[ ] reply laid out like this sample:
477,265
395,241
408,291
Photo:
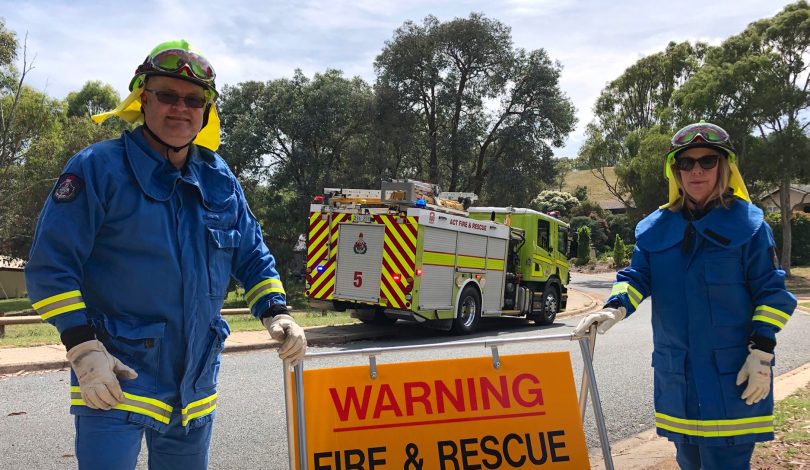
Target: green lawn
799,281
42,333
14,305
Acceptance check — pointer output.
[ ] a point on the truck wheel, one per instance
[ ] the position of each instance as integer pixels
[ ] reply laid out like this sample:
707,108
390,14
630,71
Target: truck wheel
468,312
551,305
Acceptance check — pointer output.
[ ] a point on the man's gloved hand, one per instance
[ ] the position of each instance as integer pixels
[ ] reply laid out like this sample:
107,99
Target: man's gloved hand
757,370
283,329
98,373
605,318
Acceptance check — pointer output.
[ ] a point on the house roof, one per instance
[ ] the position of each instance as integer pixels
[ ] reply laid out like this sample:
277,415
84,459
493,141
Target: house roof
612,204
802,188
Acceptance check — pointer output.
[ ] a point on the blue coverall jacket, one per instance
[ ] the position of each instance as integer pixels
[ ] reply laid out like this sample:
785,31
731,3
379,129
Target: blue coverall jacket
707,302
144,253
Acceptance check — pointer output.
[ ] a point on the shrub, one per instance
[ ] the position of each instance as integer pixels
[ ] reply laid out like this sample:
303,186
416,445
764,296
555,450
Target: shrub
598,230
583,245
548,201
799,236
619,252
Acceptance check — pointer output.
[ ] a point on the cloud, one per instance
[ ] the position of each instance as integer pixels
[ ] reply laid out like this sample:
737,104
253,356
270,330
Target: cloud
595,41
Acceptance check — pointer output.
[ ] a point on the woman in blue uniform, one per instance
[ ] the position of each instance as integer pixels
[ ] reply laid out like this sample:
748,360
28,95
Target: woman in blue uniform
708,261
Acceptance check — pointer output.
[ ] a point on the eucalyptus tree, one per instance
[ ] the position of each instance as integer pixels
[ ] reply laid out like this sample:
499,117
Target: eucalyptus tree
638,100
757,85
485,105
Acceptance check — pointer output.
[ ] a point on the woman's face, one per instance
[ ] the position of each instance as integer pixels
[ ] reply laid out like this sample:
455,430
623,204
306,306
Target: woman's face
699,182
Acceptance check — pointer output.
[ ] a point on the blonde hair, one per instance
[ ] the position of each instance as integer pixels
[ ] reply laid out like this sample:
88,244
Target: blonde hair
720,190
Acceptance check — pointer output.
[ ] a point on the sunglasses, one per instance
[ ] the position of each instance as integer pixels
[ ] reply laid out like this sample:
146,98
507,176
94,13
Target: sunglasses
180,62
171,98
707,132
707,162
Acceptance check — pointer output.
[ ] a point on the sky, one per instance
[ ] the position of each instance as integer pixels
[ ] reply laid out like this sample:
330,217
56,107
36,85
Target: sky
72,42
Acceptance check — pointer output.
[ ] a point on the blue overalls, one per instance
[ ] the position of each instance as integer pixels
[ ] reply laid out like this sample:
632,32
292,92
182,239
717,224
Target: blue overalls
144,253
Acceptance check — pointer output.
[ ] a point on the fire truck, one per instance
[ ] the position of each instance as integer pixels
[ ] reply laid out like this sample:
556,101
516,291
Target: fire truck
406,251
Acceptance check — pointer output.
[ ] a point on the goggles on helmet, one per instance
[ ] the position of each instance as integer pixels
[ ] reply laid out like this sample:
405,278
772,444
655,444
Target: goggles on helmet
180,62
709,133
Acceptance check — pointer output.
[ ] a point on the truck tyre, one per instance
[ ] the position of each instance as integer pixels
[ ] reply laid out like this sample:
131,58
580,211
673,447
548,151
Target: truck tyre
468,312
551,305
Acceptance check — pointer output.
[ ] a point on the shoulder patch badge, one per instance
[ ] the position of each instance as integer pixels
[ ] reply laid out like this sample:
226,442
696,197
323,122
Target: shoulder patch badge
67,188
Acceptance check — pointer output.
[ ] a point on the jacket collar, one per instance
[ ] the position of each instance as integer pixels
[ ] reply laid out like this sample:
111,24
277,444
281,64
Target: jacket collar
157,178
725,227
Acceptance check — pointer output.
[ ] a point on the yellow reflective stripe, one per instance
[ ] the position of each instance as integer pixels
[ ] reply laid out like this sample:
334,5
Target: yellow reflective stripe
59,304
199,408
495,264
474,262
265,287
715,427
771,315
635,292
632,293
438,258
542,258
146,406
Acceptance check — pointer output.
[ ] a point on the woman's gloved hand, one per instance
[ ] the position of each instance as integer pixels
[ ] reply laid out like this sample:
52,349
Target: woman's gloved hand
604,319
757,370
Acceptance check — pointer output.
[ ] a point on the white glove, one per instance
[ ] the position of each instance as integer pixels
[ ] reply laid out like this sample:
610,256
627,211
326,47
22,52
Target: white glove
98,372
283,329
757,370
604,319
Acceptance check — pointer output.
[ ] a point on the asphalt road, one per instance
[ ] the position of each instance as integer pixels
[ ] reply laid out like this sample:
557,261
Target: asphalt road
36,431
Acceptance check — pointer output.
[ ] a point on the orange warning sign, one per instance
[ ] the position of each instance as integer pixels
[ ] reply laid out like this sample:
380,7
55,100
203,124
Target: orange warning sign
451,414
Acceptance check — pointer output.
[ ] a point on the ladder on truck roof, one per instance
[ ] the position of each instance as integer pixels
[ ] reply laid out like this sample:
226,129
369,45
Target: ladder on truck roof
401,193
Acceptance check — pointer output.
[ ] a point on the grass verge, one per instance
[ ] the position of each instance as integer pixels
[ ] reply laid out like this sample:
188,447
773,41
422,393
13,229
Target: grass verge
790,450
14,305
41,334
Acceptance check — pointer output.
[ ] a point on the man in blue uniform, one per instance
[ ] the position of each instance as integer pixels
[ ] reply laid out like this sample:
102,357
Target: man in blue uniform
131,261
707,260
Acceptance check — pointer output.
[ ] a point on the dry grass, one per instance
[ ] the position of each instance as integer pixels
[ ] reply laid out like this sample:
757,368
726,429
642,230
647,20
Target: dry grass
597,191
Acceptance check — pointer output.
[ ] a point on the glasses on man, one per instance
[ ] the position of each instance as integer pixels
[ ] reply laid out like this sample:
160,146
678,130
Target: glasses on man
707,162
171,98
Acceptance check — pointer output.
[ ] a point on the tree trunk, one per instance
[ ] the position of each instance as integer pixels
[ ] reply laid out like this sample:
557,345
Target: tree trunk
786,210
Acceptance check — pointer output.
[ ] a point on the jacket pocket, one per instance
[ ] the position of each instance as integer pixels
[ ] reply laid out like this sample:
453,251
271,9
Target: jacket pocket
221,247
669,371
728,362
138,346
729,300
210,360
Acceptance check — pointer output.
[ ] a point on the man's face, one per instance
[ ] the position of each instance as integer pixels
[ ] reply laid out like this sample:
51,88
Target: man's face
176,124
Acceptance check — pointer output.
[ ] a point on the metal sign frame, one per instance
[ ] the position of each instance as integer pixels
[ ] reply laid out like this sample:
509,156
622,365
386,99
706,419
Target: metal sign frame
586,344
